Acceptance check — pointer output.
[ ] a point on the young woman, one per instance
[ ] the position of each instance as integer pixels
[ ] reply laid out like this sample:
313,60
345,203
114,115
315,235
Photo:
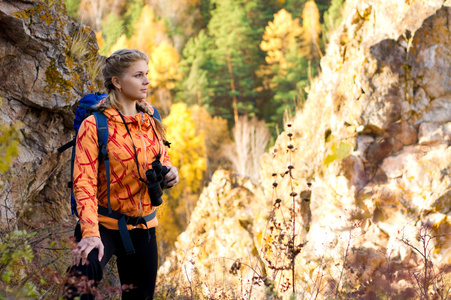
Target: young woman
136,140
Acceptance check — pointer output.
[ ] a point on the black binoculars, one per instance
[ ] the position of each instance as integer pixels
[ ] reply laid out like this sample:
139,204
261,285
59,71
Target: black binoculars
156,182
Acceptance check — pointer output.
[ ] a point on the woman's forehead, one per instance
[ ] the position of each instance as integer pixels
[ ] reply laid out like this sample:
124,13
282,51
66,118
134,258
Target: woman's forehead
137,66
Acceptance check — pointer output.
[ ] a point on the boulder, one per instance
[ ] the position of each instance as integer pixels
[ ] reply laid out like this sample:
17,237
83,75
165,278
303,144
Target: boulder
47,62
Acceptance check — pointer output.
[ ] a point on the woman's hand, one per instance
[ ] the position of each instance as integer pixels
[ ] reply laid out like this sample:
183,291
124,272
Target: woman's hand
172,177
84,247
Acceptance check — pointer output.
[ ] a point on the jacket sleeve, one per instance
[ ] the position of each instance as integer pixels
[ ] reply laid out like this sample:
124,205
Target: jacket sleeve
85,177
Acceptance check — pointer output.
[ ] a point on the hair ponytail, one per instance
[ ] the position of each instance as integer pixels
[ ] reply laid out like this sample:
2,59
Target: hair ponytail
145,107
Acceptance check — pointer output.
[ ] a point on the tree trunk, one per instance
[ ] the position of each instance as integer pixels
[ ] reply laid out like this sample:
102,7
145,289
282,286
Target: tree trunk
232,86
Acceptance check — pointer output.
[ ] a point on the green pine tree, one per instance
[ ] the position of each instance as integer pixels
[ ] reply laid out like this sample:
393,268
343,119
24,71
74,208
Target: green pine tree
236,58
290,86
323,6
131,15
112,29
220,65
205,8
294,7
196,86
260,12
332,18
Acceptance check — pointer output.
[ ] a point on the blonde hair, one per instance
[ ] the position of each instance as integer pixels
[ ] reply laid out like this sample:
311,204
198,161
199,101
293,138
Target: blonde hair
115,66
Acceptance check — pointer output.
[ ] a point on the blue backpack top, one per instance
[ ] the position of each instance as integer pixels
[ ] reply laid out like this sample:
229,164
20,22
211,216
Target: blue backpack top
86,107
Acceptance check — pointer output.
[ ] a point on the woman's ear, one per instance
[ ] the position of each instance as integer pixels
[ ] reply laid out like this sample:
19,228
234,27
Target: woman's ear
116,82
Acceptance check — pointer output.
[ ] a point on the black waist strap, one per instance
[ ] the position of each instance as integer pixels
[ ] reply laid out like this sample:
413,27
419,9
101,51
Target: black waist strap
122,221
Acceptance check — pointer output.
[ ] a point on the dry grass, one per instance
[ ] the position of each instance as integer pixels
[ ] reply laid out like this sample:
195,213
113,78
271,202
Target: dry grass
94,67
250,140
79,46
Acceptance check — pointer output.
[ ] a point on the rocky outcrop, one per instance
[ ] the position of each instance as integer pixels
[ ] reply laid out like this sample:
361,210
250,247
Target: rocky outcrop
374,141
47,61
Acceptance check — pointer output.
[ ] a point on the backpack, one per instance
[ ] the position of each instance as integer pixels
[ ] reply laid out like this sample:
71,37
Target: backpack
85,108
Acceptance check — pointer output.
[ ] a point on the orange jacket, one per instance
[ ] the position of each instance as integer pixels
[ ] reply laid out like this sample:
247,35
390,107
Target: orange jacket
128,195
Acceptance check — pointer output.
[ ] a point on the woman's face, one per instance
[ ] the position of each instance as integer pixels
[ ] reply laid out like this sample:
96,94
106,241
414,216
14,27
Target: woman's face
133,83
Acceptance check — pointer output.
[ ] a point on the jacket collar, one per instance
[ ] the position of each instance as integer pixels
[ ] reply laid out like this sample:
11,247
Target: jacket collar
140,118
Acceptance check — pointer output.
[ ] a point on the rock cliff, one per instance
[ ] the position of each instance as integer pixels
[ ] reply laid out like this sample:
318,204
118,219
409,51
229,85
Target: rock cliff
373,139
47,61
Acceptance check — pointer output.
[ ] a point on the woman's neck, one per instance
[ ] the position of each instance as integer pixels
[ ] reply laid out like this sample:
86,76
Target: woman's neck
129,108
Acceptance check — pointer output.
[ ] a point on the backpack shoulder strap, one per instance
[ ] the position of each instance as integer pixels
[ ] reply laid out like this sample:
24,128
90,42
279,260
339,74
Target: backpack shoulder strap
102,137
70,184
156,114
66,146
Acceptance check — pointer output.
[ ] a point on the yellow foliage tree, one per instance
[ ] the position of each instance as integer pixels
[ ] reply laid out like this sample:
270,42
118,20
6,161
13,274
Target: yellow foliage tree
279,36
121,43
285,72
163,66
188,151
193,2
188,155
100,40
216,137
311,30
148,32
9,145
10,137
163,74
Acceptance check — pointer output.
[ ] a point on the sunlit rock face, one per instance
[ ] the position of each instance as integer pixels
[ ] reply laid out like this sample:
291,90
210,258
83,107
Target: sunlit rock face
44,59
373,139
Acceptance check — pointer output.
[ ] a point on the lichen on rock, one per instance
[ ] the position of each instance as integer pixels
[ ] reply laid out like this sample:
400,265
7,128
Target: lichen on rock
40,85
